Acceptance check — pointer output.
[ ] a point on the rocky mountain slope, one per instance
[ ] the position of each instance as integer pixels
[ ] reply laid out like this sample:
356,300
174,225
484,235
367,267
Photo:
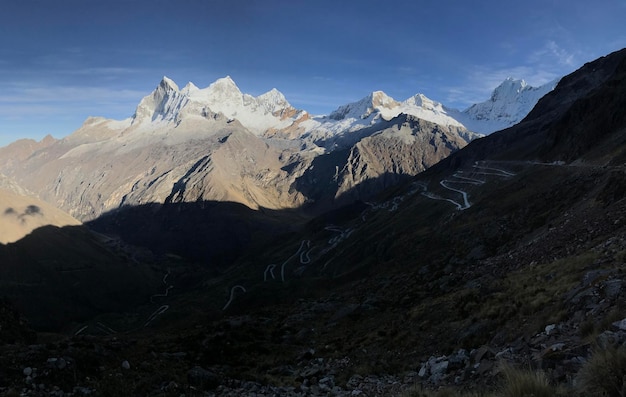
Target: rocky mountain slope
185,145
509,250
61,277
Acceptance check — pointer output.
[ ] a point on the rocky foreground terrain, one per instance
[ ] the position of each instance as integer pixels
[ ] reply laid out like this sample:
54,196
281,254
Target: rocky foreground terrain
495,286
501,263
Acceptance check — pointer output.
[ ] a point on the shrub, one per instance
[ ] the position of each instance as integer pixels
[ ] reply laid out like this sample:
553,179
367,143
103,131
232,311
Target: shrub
604,374
415,392
519,383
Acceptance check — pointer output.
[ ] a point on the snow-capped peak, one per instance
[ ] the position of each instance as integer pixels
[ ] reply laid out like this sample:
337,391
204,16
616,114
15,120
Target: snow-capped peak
168,84
373,103
222,89
508,89
378,106
168,103
189,88
273,101
509,103
161,103
273,96
420,100
380,99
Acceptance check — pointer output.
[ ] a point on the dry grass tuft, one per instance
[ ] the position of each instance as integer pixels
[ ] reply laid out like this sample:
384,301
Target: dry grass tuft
605,373
521,383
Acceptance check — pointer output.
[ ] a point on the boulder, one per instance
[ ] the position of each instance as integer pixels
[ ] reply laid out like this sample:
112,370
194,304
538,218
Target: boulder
202,378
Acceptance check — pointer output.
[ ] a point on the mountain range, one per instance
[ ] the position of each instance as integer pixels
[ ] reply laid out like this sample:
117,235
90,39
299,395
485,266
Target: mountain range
187,144
236,245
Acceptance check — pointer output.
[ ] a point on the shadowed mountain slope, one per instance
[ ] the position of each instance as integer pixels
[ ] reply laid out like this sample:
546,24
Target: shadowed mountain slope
211,232
57,277
517,233
510,250
579,120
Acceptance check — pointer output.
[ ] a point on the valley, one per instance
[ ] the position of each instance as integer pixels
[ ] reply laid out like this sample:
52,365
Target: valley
363,253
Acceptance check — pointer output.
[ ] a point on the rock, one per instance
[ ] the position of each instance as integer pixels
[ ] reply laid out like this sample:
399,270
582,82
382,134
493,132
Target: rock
550,329
484,366
505,354
307,354
458,360
482,353
608,339
590,277
410,377
612,288
309,372
125,365
557,346
326,379
620,325
82,391
61,363
440,367
324,387
171,385
201,378
354,381
28,371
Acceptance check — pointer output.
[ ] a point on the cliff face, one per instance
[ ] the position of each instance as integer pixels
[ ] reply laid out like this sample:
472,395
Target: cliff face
106,165
404,148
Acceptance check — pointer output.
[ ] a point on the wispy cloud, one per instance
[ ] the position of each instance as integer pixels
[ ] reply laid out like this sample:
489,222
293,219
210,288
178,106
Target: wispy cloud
21,100
104,71
540,66
551,52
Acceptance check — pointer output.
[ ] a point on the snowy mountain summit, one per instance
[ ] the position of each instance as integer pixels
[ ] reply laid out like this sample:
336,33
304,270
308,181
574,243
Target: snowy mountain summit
270,114
219,144
378,105
510,102
167,103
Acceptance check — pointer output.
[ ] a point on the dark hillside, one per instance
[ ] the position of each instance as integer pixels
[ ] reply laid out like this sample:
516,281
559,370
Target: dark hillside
509,253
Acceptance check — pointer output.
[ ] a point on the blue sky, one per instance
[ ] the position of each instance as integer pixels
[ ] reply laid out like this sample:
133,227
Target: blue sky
64,60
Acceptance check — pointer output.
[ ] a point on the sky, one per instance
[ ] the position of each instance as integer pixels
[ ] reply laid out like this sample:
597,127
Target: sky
62,61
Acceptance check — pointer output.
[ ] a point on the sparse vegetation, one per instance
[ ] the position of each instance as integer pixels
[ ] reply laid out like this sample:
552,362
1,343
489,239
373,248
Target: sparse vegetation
32,209
527,383
417,391
604,374
515,383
